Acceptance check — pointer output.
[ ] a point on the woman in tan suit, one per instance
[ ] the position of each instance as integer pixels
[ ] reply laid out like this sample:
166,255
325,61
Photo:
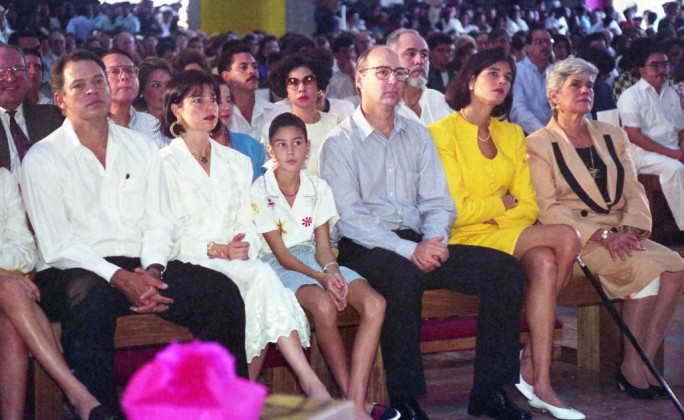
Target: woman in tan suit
585,178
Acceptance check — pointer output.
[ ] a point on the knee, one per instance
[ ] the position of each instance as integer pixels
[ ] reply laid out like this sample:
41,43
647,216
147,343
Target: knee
90,290
373,307
324,312
570,239
11,290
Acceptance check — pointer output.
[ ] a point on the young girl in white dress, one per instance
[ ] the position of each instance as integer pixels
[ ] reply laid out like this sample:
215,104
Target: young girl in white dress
208,192
294,212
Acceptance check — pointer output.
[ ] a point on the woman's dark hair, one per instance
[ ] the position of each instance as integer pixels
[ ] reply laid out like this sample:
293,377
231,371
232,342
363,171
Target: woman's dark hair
286,119
148,66
458,94
219,81
182,85
187,57
320,67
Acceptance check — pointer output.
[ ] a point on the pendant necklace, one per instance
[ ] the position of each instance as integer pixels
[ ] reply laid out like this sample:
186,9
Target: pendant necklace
480,139
202,159
594,171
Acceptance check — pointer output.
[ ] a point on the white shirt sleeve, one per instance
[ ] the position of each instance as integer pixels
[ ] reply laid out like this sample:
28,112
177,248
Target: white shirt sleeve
17,249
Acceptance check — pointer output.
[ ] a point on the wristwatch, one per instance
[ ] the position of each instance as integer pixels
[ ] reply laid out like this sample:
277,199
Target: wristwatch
604,235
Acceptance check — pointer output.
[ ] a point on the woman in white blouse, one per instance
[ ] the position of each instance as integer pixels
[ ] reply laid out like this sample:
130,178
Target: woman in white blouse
302,80
208,191
22,323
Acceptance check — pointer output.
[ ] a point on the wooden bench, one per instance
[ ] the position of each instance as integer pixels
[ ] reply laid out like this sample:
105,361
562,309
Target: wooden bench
598,342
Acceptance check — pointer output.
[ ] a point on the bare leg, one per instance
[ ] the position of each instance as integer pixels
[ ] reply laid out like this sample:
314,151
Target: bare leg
669,294
371,307
637,314
291,349
34,328
317,301
547,254
14,368
256,365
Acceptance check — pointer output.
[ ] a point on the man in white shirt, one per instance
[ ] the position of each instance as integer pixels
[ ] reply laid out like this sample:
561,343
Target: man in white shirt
239,69
341,84
122,76
654,121
93,192
23,123
418,101
531,109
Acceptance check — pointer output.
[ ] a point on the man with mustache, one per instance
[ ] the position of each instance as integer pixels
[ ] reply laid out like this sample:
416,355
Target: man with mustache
654,121
395,214
23,123
92,192
531,109
239,69
419,103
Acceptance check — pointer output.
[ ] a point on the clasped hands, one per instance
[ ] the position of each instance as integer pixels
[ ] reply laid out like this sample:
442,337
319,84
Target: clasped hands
621,245
237,249
142,288
430,254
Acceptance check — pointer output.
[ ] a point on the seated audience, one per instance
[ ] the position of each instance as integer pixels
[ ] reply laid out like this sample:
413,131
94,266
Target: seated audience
106,236
153,76
585,178
484,160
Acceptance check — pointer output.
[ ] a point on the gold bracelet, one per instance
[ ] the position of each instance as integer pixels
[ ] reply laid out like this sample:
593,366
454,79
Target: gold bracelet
210,250
325,267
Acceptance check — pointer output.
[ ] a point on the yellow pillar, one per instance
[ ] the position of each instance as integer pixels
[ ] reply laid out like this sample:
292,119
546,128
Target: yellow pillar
243,16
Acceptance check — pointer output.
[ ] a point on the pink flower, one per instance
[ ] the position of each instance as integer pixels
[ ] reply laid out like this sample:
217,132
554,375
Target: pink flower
306,222
270,202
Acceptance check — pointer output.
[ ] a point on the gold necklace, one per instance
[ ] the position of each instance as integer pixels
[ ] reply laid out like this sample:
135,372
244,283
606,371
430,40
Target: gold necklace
202,159
480,139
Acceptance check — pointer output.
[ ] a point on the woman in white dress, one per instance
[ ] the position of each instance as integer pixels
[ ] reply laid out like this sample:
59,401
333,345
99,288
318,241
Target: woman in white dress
208,192
302,80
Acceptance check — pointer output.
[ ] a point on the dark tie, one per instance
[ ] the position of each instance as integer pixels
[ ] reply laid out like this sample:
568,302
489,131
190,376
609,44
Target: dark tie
20,140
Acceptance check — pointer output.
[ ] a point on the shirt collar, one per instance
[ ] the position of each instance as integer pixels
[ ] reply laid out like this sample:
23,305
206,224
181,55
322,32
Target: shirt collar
365,129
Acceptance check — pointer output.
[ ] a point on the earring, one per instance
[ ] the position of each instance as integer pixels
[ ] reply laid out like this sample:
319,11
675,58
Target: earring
319,93
470,87
178,123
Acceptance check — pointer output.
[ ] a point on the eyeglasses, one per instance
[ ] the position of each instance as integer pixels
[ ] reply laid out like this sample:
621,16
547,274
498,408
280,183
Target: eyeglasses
542,41
655,65
293,82
401,74
17,71
116,71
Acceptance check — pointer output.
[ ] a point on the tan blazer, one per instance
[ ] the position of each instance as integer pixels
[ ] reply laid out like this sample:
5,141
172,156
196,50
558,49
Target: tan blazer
559,203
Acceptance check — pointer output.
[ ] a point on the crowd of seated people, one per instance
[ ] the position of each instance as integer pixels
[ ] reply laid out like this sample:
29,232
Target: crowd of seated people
170,172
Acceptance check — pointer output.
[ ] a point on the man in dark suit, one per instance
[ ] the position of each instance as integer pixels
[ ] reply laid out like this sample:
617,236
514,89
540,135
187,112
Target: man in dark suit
23,123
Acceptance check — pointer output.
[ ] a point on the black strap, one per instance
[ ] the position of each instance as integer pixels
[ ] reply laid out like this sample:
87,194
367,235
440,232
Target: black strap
577,188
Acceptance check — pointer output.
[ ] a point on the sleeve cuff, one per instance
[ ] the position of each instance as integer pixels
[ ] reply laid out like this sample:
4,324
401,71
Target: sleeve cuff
105,270
406,248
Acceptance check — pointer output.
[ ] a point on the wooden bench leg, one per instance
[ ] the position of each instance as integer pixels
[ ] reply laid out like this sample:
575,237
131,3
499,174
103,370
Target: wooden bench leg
48,398
599,347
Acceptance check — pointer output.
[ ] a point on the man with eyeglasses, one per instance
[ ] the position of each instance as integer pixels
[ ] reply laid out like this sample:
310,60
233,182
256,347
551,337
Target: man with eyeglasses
251,112
419,102
654,121
24,123
92,193
395,215
531,109
122,76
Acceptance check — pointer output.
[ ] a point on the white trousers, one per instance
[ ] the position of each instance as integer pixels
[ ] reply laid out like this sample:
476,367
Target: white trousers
671,174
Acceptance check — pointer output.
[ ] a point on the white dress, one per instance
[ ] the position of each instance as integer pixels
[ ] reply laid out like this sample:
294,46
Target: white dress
216,208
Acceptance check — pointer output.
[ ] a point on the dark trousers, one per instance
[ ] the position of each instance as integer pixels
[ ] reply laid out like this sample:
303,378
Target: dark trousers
495,277
205,301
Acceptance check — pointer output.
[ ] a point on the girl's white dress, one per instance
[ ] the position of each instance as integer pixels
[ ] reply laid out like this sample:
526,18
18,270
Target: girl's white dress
215,208
313,206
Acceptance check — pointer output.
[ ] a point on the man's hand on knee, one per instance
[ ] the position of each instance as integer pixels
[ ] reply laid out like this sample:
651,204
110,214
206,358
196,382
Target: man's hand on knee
142,290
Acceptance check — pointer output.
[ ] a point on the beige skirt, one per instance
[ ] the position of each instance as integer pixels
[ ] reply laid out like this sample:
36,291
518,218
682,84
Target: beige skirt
619,278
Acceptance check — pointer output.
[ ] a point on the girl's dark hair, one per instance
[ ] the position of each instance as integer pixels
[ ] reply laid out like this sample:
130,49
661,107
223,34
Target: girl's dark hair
286,119
182,85
147,67
458,94
320,67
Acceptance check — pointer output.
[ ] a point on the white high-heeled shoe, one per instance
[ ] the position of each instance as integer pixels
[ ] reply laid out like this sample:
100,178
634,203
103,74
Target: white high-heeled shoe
526,389
557,412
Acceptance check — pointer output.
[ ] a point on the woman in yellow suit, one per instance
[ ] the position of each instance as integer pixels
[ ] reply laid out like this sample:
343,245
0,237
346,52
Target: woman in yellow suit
484,160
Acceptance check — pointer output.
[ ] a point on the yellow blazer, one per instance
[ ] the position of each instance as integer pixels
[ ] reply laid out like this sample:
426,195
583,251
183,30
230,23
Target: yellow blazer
477,183
559,203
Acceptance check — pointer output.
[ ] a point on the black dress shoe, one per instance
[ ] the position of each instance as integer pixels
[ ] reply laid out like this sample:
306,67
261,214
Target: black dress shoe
497,406
103,413
632,391
658,391
411,410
